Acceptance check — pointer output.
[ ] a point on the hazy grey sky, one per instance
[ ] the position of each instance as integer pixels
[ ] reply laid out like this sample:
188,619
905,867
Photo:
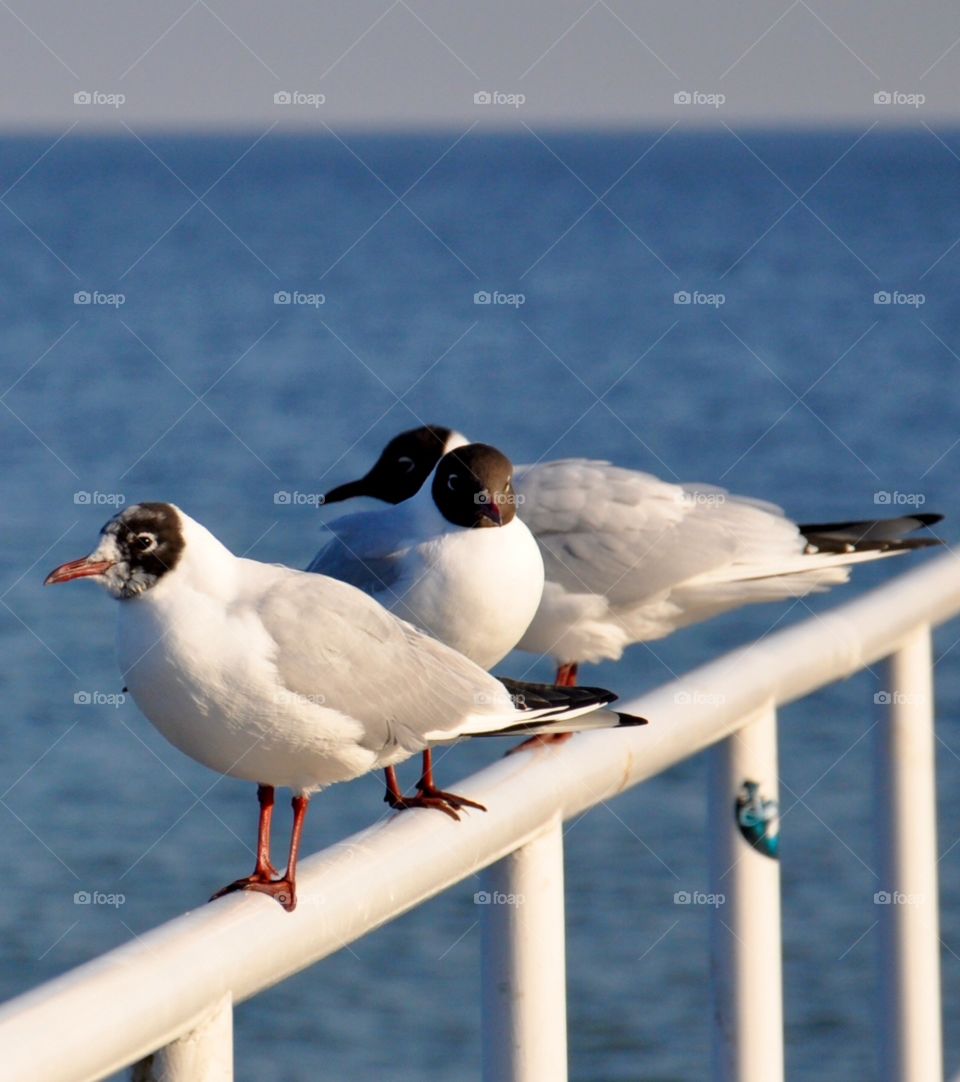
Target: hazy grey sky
389,63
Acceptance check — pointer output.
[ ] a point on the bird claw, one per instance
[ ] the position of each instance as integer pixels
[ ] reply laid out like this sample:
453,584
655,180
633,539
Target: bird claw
448,803
280,888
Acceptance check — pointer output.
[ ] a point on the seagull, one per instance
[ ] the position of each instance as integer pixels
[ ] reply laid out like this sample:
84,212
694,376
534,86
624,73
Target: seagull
454,559
290,679
631,558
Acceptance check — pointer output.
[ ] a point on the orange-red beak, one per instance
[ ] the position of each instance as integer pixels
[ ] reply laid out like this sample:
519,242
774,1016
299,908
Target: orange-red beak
84,568
491,511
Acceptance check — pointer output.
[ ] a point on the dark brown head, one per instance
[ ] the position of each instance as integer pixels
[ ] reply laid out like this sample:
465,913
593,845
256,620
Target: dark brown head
138,547
473,487
403,466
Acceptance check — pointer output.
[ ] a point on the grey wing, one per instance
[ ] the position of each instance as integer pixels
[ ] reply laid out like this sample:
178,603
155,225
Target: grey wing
337,646
366,550
619,533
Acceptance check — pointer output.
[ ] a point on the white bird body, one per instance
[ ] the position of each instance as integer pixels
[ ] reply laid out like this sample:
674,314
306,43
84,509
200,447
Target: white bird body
291,679
630,558
474,589
283,677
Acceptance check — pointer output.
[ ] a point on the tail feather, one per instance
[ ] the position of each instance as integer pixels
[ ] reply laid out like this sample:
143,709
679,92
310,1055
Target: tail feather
555,709
870,535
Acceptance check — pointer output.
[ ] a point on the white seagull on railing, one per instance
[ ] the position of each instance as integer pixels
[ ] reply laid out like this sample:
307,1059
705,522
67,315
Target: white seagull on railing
290,679
630,558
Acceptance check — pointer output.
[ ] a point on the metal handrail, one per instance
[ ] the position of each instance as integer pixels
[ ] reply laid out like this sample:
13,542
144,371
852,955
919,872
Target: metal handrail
183,976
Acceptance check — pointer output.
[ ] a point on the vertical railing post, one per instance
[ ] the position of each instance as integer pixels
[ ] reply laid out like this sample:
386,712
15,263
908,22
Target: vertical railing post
204,1054
907,909
523,964
745,942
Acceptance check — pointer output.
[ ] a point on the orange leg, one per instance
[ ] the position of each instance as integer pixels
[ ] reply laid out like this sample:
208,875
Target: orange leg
429,796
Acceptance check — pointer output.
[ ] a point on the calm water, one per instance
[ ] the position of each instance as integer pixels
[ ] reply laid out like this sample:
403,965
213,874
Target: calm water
200,389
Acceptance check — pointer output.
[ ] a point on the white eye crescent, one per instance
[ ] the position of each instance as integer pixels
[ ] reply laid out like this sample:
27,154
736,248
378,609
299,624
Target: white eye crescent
407,462
450,481
144,542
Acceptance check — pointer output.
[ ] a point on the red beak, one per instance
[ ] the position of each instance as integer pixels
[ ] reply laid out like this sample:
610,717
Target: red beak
490,510
84,568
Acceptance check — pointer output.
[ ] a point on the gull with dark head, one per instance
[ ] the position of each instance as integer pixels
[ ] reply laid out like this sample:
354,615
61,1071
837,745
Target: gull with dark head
630,558
456,560
290,679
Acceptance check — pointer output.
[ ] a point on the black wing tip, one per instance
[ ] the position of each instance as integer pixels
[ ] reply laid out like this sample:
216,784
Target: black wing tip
872,535
627,721
541,696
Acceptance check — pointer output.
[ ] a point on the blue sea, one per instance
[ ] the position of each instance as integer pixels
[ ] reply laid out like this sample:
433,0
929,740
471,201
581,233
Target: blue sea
236,324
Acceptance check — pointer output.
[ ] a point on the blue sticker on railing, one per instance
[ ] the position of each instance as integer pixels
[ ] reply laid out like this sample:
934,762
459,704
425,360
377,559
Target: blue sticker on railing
758,819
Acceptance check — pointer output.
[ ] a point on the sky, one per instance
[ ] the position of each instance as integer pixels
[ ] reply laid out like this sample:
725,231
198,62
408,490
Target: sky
401,64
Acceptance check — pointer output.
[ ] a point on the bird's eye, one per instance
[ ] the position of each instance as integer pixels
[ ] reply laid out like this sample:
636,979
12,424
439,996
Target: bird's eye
144,542
406,462
451,481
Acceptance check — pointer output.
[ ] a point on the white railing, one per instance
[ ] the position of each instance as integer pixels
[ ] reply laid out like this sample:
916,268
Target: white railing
173,989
